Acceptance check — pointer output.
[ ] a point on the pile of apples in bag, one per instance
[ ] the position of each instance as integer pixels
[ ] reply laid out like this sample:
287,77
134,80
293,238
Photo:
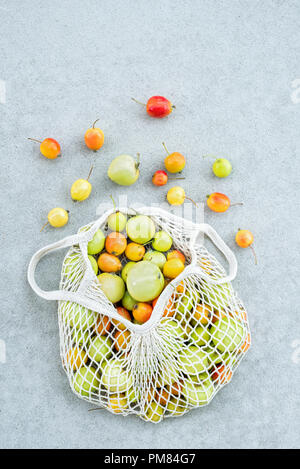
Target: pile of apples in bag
202,334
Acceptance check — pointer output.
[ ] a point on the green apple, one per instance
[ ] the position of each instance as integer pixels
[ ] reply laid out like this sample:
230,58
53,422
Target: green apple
140,229
126,269
117,221
93,264
162,241
222,167
198,394
133,395
199,378
72,267
112,286
172,328
154,412
124,170
201,336
185,326
216,357
156,257
177,406
115,378
192,360
128,302
186,303
78,316
81,338
218,296
86,381
145,281
227,334
100,349
168,375
97,243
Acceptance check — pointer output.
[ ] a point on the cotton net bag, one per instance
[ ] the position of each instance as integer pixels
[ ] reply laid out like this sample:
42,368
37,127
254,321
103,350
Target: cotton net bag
180,358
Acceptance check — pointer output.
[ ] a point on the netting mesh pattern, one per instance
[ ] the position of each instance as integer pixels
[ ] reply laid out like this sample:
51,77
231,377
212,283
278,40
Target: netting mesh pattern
180,363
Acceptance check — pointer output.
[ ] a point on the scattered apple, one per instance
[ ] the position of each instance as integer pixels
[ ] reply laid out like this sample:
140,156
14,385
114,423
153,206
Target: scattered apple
124,170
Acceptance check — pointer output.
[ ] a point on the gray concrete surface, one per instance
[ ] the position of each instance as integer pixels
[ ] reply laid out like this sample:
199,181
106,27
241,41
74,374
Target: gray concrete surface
229,67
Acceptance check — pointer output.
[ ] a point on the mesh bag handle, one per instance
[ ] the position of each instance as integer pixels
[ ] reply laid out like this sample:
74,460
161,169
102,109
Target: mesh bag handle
79,297
225,250
63,243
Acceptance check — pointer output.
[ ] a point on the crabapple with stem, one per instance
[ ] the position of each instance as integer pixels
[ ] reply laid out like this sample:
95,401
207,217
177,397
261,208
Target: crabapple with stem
244,239
176,196
157,106
94,137
160,178
57,217
82,188
49,147
174,162
218,202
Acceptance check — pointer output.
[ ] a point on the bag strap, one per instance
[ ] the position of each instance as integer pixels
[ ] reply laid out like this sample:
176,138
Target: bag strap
225,250
63,243
79,297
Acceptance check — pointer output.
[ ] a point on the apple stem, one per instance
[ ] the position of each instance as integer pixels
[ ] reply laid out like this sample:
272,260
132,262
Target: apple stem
34,139
139,102
254,254
44,226
237,203
191,201
138,162
175,179
95,123
173,106
164,145
113,201
148,242
90,173
133,210
96,408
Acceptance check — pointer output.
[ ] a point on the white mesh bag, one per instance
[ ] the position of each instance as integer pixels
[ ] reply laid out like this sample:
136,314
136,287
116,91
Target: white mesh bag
180,358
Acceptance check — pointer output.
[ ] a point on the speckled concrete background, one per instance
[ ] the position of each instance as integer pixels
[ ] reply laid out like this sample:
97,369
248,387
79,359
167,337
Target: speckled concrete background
230,68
